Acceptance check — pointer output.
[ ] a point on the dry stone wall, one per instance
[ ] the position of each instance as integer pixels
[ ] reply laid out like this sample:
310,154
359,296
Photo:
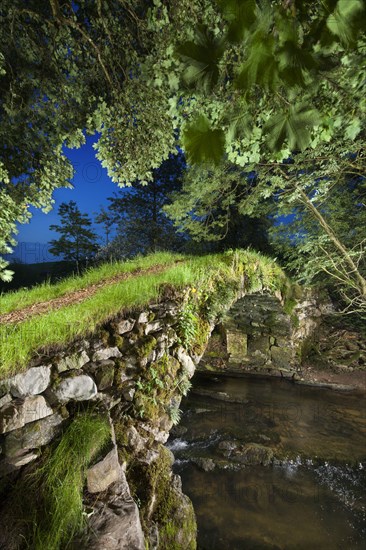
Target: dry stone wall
135,370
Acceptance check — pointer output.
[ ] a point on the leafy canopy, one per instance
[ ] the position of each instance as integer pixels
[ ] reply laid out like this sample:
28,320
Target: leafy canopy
245,81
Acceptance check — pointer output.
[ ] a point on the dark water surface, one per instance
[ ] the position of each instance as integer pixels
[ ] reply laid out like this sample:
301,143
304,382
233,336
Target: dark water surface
313,494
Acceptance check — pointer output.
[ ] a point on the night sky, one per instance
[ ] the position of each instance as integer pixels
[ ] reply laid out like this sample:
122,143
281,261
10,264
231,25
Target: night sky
92,186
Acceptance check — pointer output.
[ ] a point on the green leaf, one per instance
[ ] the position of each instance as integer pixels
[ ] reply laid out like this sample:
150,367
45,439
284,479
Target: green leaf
346,20
239,127
293,125
261,67
240,15
293,61
202,143
6,275
201,57
353,129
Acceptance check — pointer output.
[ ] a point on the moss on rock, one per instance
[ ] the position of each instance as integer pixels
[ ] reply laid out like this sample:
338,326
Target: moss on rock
145,346
162,503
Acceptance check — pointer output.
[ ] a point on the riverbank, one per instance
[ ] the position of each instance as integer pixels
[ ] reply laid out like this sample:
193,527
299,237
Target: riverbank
309,375
350,381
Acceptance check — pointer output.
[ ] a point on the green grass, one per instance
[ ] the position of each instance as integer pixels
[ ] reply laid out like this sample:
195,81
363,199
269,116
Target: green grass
19,342
59,482
13,301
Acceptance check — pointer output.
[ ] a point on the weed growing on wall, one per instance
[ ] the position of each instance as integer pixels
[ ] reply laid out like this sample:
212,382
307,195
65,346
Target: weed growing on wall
57,485
187,324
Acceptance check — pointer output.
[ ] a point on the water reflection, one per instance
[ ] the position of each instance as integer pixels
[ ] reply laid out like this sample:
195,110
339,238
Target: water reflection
313,493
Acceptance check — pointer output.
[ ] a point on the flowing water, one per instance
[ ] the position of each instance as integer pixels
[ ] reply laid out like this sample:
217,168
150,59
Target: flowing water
310,496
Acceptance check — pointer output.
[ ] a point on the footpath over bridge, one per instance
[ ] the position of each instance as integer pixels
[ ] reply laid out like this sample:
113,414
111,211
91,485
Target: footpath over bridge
126,348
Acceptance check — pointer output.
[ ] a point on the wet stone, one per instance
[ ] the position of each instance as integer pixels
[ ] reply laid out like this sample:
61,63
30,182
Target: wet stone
206,464
254,454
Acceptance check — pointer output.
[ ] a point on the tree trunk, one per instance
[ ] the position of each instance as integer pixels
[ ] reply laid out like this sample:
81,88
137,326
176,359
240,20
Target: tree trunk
361,282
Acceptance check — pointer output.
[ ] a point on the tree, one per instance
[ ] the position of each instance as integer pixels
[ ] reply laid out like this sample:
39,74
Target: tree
77,241
275,94
65,68
246,81
208,208
324,240
107,220
143,226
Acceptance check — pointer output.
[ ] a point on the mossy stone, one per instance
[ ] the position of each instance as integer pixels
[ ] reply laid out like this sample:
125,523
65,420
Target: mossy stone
145,346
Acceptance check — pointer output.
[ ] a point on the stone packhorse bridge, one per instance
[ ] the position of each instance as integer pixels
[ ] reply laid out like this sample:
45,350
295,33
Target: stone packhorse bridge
133,371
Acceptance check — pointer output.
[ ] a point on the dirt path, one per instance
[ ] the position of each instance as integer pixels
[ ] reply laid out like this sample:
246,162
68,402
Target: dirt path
75,296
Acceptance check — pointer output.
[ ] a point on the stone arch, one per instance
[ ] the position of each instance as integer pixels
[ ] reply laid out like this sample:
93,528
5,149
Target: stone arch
255,334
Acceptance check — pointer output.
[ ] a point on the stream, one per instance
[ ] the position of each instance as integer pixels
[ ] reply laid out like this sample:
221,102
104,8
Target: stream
310,494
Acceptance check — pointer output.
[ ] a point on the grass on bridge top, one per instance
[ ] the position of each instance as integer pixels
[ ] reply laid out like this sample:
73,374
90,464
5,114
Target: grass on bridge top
21,341
18,299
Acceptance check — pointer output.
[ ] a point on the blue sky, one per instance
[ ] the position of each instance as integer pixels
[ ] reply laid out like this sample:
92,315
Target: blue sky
92,186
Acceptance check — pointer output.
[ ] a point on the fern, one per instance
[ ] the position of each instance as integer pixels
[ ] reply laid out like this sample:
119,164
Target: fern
175,414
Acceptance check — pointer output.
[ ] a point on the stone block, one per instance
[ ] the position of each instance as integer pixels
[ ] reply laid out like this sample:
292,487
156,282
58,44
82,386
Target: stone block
106,353
104,375
20,412
72,362
126,325
77,388
18,461
5,399
115,523
143,317
237,345
281,357
280,325
33,435
186,362
154,326
128,394
135,440
100,476
258,359
31,382
109,401
258,343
